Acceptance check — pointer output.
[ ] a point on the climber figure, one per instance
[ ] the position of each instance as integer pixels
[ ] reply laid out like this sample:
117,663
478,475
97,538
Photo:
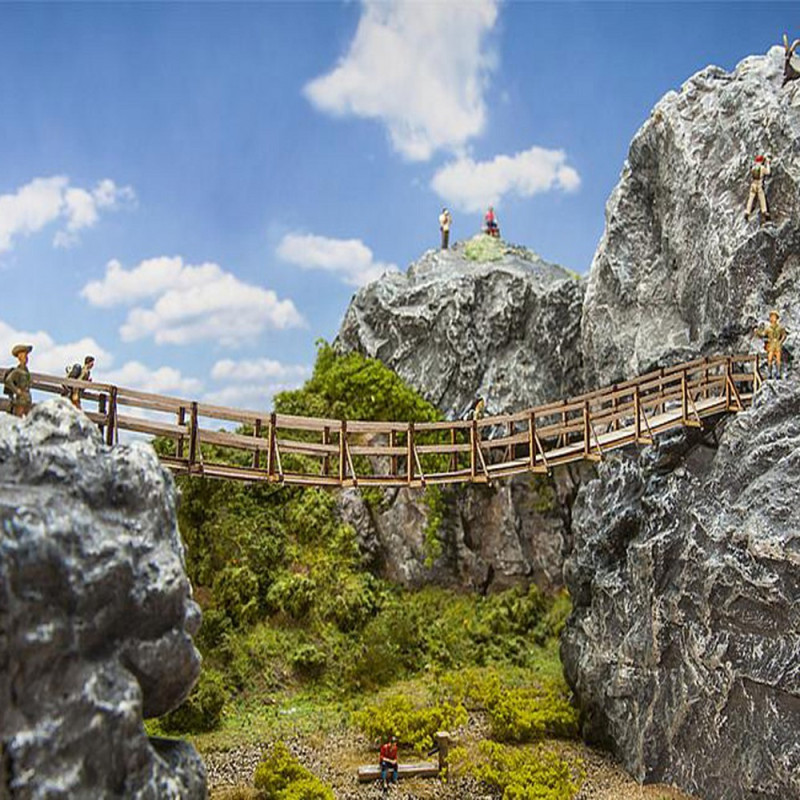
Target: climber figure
774,335
490,225
445,221
759,171
790,71
474,410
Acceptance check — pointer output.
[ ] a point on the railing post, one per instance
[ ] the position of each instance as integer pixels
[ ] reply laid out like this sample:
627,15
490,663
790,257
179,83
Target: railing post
684,399
757,373
615,407
193,441
637,414
473,443
101,409
271,446
257,435
728,383
326,459
453,455
111,430
181,422
586,432
705,379
410,447
532,438
342,452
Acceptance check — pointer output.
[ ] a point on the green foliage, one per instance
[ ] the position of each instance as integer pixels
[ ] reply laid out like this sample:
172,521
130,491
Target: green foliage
236,594
354,387
202,710
309,660
544,498
523,773
280,776
414,726
483,247
434,502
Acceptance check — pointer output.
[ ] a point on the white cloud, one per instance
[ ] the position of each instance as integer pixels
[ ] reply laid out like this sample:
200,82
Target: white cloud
471,185
257,369
349,259
252,396
48,355
192,303
420,68
44,201
164,380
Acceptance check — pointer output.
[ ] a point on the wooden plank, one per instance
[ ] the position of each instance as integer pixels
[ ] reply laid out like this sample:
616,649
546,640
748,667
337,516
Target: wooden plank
423,769
142,425
377,450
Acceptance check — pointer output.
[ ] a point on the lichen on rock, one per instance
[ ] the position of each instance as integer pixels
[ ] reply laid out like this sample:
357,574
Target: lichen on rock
96,615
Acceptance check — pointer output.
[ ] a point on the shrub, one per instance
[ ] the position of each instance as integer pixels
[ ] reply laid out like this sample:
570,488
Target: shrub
525,715
202,709
524,773
309,660
413,726
293,594
280,776
236,593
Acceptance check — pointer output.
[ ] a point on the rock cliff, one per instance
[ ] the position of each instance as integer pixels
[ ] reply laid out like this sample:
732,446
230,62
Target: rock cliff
684,644
482,318
96,616
679,272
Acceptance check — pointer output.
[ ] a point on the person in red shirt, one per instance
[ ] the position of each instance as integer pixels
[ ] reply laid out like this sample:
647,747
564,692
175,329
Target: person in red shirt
389,761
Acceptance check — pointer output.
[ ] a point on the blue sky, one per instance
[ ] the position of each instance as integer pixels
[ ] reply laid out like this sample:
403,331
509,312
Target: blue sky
194,191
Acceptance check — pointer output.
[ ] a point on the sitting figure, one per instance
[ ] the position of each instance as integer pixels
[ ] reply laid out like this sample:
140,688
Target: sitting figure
774,336
389,761
490,223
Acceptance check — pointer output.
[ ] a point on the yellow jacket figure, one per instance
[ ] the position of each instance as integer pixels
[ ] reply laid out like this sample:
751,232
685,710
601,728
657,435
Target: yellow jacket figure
774,336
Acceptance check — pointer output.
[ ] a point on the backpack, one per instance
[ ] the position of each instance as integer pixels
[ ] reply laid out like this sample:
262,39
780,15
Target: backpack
73,372
6,388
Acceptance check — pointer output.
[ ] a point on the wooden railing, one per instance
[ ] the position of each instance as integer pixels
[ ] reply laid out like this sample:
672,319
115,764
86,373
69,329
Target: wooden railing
330,452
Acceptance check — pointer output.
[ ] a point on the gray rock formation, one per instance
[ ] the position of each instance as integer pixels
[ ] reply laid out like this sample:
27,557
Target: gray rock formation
96,616
507,328
679,272
452,328
684,644
493,537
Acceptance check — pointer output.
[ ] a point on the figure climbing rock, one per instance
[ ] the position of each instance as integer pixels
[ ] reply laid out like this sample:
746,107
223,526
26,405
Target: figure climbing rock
17,383
759,171
774,336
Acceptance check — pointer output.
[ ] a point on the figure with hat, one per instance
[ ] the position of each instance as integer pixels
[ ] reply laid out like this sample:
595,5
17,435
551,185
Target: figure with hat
388,759
17,383
445,221
759,171
774,335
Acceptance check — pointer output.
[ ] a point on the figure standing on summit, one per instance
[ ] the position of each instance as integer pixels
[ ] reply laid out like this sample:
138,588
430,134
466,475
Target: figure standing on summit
759,171
490,221
445,221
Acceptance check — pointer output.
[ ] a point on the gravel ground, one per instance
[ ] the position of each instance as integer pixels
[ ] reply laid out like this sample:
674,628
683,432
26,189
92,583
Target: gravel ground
605,779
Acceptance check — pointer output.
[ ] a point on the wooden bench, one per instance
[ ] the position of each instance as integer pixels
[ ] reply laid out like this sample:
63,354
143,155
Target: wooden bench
420,769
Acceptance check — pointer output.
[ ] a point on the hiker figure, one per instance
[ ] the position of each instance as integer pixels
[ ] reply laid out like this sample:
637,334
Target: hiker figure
774,336
389,761
79,373
474,410
759,171
491,226
790,71
445,221
17,383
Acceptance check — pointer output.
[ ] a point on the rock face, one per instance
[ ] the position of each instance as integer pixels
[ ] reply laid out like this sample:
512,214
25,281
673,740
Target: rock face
684,645
452,328
96,616
455,326
679,272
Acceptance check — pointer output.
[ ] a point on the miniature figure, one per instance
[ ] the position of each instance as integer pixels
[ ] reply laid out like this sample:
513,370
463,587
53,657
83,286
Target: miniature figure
17,383
759,171
790,71
389,761
445,221
491,226
80,373
774,336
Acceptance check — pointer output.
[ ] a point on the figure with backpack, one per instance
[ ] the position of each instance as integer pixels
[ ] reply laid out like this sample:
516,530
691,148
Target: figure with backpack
79,373
17,383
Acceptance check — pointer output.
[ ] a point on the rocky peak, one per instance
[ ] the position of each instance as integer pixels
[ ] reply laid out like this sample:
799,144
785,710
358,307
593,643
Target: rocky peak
484,318
679,272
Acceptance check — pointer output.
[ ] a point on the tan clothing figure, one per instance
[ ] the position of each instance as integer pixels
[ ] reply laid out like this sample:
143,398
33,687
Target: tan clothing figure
759,171
18,381
480,407
445,221
774,336
84,375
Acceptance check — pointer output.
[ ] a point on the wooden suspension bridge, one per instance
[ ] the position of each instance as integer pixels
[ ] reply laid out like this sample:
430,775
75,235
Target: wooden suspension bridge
270,447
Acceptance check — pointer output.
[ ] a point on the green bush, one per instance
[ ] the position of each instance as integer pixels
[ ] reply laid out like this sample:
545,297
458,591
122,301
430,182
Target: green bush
483,247
202,710
523,773
293,594
413,726
236,594
280,776
309,660
525,715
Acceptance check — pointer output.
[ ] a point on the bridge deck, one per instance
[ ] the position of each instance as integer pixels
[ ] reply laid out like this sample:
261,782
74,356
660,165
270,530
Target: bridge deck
270,447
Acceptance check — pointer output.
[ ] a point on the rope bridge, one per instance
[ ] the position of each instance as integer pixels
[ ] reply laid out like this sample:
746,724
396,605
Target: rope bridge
270,447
